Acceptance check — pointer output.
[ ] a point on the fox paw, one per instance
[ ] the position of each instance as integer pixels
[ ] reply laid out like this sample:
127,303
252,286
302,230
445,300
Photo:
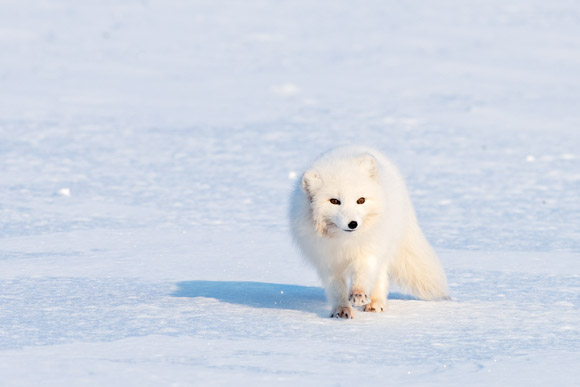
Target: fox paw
358,298
375,306
342,312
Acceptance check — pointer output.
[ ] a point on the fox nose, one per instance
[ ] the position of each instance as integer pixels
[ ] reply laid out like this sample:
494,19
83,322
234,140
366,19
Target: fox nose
352,225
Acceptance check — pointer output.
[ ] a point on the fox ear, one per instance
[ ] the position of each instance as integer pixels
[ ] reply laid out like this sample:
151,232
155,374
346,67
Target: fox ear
310,182
369,164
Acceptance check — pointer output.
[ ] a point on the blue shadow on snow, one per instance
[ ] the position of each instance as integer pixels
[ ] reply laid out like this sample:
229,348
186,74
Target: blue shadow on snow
263,295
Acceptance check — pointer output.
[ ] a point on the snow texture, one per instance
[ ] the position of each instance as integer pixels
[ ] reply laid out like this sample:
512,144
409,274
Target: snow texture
148,149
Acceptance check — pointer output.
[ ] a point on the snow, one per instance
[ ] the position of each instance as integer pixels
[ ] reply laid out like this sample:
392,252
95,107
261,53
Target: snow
148,149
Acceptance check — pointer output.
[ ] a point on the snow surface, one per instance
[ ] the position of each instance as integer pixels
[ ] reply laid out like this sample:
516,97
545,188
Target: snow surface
148,149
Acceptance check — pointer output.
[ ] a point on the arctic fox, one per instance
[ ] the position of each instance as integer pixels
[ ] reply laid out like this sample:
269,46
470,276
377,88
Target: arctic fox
353,220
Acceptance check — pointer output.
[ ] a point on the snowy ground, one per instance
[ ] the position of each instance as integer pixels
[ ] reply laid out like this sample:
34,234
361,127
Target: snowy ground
147,150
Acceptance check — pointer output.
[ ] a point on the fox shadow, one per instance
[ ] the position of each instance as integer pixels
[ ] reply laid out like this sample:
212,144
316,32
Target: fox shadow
263,295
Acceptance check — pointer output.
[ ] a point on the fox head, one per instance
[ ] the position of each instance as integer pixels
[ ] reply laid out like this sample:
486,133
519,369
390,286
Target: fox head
345,195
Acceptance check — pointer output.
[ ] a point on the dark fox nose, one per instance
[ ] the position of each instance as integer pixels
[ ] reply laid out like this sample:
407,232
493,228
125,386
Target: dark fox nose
352,225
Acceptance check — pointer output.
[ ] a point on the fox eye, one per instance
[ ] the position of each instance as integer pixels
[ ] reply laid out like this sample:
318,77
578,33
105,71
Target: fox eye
360,201
335,201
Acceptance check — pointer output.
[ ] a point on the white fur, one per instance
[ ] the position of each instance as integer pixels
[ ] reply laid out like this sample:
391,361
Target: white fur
387,244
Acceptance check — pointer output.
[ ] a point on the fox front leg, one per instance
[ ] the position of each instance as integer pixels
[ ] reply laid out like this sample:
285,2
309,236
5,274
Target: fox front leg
364,276
337,293
379,295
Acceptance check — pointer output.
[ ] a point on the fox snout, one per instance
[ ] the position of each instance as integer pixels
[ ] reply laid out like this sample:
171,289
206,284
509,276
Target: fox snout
349,221
349,225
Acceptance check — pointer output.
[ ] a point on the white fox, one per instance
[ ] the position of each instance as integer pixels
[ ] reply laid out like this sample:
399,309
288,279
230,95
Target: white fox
353,220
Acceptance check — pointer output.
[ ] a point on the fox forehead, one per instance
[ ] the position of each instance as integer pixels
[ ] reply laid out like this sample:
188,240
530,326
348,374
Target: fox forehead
353,192
347,188
342,176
